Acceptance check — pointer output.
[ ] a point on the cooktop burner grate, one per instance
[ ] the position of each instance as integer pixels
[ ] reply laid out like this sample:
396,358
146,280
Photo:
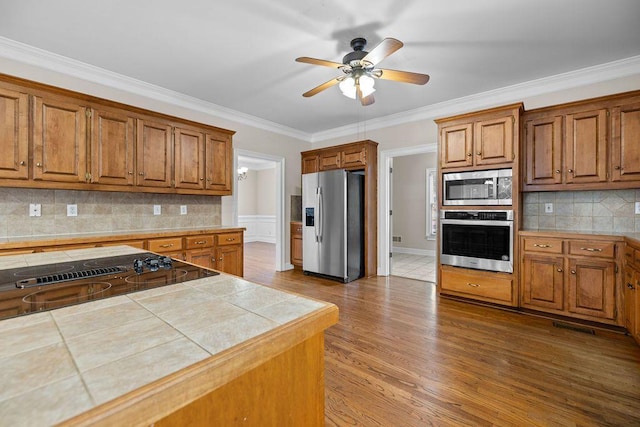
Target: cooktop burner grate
65,277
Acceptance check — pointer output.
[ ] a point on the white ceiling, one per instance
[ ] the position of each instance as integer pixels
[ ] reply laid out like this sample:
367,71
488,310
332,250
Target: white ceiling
240,54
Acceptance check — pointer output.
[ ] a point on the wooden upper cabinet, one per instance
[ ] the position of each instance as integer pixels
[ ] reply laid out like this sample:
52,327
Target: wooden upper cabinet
219,174
354,157
189,149
493,141
586,146
330,159
59,140
153,154
543,150
625,144
480,139
456,145
112,148
310,163
14,136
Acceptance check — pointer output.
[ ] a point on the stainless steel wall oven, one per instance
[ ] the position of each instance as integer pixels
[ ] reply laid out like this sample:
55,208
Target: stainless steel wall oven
477,239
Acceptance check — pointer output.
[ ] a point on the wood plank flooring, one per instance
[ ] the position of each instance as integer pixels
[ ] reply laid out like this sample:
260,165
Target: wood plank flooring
402,356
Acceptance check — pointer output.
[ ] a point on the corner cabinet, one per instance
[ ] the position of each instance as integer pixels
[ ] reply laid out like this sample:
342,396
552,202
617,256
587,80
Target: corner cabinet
484,139
573,276
57,139
361,156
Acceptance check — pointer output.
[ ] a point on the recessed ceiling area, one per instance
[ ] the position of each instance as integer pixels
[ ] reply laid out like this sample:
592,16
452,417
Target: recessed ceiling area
241,55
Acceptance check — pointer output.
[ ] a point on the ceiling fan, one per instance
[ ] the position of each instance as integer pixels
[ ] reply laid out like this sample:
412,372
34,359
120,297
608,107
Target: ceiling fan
360,72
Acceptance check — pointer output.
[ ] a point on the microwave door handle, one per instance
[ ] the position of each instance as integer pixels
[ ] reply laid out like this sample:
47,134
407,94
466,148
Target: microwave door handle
495,188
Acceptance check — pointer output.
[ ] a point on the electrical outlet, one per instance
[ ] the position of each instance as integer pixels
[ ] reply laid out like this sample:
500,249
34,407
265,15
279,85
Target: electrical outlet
72,210
35,209
183,209
548,208
157,209
637,208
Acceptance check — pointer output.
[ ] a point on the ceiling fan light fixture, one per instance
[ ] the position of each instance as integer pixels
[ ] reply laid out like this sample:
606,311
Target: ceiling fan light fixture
348,87
366,84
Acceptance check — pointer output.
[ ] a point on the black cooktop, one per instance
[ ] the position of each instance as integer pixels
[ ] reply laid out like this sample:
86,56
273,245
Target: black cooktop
28,290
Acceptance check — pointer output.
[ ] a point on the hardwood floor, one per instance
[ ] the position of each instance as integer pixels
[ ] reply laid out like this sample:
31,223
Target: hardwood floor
402,356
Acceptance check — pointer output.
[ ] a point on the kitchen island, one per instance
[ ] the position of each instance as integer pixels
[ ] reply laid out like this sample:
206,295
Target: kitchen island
212,351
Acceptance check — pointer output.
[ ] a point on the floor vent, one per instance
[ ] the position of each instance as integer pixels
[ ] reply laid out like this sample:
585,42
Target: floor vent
582,329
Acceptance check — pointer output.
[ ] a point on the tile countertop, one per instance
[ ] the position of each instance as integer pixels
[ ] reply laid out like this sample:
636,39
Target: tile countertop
57,364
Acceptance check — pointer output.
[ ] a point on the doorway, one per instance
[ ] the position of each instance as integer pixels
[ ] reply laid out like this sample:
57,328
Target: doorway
409,249
263,225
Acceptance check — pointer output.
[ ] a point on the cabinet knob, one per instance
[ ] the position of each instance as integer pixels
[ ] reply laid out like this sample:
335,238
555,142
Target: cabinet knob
230,239
220,259
570,170
630,286
39,165
201,179
130,173
559,270
22,163
141,173
468,154
557,170
617,168
573,272
478,153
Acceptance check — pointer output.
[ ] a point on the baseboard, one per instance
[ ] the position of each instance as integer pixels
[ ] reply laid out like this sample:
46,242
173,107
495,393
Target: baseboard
413,251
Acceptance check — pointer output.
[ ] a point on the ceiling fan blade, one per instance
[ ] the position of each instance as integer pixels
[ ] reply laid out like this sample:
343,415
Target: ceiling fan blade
322,62
367,100
385,48
321,87
404,76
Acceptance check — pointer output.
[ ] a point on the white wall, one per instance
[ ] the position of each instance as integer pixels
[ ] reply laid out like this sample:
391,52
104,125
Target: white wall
257,205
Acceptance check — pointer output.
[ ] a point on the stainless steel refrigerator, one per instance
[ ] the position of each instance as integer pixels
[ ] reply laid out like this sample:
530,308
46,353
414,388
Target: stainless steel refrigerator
333,224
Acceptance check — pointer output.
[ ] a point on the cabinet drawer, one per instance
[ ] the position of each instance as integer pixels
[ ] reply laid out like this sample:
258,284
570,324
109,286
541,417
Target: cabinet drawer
234,238
489,287
542,244
592,248
296,229
166,245
195,242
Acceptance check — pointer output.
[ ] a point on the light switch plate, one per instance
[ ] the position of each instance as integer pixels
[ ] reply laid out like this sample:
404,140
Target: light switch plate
35,209
183,209
72,210
548,208
637,208
157,209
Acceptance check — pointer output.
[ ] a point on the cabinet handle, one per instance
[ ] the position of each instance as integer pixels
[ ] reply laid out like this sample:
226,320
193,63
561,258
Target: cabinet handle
230,239
200,242
541,246
299,230
39,165
168,245
475,285
592,249
22,163
573,272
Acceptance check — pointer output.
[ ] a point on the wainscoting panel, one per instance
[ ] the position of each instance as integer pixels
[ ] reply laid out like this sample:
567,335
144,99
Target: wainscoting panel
259,228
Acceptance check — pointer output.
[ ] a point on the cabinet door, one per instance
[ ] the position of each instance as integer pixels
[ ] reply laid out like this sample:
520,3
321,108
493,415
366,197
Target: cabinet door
354,157
493,141
586,146
229,259
219,175
625,147
592,288
456,146
201,257
188,148
630,300
59,141
543,150
14,141
153,150
329,160
112,148
310,164
543,282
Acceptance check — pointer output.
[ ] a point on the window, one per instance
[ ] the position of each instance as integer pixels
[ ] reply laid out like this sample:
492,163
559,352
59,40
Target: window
432,204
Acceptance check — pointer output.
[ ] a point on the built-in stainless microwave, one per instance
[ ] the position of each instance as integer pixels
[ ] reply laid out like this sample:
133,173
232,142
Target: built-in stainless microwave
483,188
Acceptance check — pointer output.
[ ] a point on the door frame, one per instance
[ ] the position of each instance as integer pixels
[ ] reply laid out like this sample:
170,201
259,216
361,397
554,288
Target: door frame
280,205
385,197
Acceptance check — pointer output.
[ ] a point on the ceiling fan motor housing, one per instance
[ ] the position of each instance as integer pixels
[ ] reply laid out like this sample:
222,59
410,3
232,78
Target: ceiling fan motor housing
358,53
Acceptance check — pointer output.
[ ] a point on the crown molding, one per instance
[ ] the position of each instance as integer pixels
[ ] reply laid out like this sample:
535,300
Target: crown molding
506,95
39,58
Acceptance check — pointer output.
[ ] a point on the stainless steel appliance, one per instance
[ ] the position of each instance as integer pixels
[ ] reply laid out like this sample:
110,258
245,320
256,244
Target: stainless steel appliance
333,224
483,188
477,239
27,290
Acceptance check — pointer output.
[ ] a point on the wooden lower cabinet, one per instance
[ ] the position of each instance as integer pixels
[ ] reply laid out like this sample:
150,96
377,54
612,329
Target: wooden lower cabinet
296,244
632,291
479,285
229,254
572,277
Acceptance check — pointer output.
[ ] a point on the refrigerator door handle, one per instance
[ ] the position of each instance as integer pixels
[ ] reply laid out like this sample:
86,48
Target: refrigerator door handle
319,216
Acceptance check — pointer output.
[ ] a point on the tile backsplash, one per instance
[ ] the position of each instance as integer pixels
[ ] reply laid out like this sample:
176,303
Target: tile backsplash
606,211
101,212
